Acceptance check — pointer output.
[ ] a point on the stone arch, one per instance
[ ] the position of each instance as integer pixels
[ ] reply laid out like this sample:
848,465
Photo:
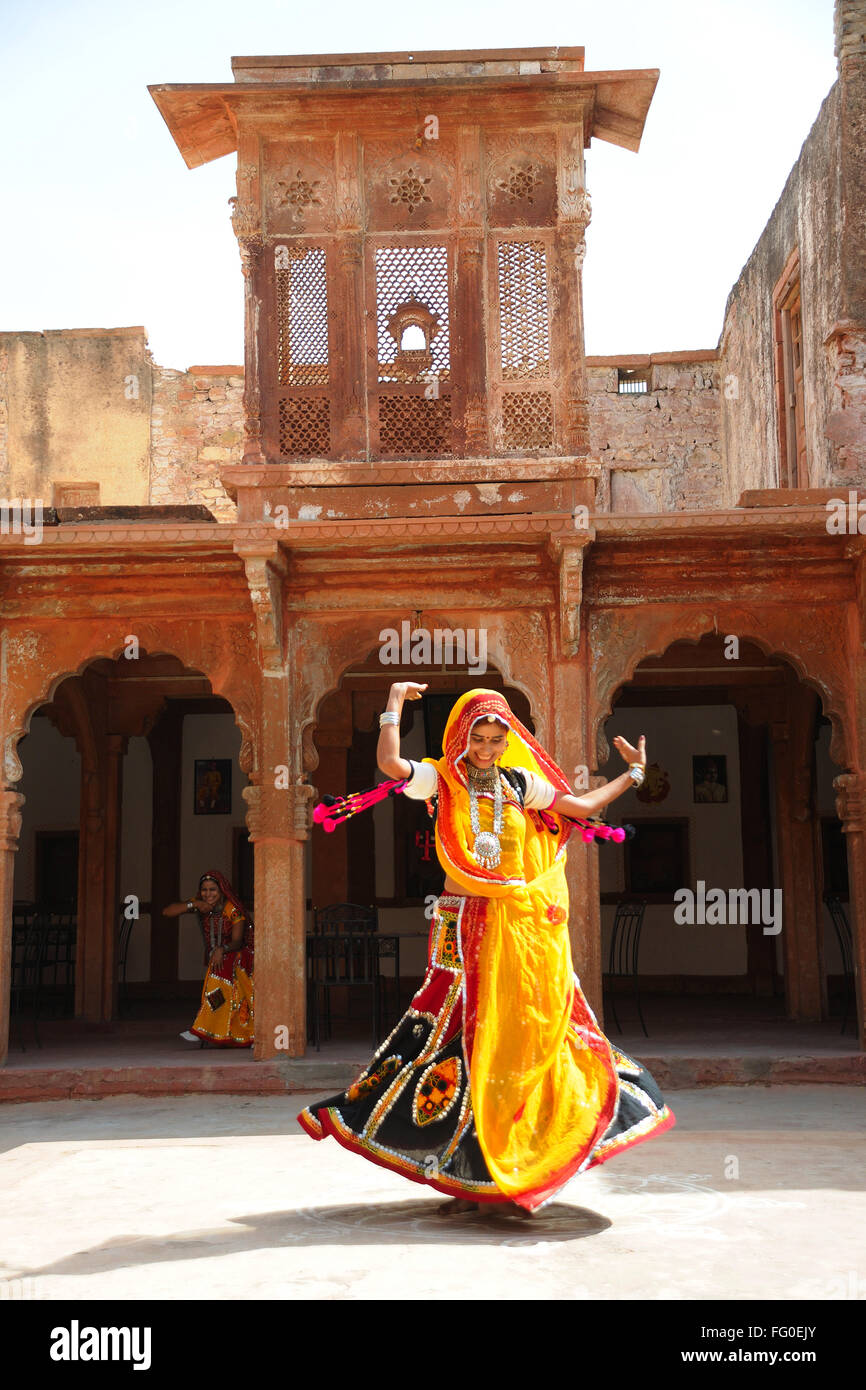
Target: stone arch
337,643
813,644
36,661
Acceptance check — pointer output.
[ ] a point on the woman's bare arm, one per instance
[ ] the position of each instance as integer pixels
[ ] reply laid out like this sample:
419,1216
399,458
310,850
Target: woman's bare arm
592,802
178,909
388,748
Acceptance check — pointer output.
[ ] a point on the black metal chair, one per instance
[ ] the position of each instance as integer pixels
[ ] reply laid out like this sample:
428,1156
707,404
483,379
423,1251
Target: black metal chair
58,958
124,936
624,953
845,939
28,947
345,917
342,953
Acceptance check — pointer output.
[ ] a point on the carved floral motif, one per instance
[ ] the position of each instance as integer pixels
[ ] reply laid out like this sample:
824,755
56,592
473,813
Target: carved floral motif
297,193
409,188
519,184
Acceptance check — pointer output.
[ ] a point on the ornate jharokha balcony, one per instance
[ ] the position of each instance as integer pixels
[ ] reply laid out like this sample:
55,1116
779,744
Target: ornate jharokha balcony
411,229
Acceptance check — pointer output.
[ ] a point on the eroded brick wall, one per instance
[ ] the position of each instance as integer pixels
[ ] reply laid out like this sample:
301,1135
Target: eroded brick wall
806,218
196,426
660,451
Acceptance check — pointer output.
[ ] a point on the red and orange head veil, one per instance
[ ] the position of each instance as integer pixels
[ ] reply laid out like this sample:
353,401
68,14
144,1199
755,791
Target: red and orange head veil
454,835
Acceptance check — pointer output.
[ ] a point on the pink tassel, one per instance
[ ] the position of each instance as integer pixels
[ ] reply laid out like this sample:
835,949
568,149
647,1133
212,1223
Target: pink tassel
332,811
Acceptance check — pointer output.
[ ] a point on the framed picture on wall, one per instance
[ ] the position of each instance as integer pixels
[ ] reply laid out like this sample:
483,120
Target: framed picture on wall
709,778
213,787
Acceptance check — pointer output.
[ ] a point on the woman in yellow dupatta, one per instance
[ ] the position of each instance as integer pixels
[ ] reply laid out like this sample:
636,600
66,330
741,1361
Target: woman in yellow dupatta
498,1071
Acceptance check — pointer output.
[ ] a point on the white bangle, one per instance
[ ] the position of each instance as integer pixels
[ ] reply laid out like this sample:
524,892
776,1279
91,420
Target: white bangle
389,717
636,773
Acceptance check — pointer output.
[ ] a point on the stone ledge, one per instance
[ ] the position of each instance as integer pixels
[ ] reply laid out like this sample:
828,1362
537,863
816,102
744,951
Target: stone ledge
301,1074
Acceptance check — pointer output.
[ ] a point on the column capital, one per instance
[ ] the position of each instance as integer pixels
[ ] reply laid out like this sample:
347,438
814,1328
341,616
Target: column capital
850,789
278,813
10,818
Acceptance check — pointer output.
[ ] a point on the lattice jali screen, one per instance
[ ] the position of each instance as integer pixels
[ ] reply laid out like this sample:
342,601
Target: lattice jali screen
410,426
301,315
305,426
526,421
524,332
412,275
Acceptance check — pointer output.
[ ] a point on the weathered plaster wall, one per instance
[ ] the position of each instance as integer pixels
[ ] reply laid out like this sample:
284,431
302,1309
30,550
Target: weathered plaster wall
197,426
75,406
660,451
807,216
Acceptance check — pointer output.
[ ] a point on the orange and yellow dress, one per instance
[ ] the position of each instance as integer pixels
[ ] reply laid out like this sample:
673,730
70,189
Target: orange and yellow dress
226,1015
497,1085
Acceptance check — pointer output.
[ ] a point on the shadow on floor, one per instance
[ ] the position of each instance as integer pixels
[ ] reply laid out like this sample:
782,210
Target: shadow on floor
393,1223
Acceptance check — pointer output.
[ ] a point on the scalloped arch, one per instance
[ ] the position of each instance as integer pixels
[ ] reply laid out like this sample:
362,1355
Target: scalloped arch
828,685
44,687
351,643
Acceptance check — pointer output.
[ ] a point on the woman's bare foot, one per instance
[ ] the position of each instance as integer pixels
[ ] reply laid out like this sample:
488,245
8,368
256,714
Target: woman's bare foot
514,1210
456,1206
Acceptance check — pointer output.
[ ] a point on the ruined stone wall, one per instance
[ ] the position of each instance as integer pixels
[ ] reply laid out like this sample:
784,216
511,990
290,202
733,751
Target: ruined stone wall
807,216
75,409
197,426
660,451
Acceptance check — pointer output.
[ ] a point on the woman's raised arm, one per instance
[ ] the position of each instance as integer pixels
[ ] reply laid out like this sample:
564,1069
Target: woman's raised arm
592,802
388,747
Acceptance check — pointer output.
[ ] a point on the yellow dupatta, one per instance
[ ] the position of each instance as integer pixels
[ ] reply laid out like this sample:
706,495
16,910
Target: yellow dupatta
542,1093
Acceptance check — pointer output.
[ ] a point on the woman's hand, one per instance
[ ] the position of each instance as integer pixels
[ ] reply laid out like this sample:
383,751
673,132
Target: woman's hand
407,690
216,959
632,755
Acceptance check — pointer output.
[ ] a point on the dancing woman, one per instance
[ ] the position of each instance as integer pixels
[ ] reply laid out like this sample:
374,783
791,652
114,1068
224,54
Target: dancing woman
225,1017
497,1085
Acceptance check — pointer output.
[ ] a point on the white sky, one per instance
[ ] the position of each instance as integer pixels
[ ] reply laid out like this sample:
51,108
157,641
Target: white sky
105,226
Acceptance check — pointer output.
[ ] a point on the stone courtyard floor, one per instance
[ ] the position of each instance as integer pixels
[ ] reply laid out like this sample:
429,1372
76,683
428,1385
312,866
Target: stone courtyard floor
757,1193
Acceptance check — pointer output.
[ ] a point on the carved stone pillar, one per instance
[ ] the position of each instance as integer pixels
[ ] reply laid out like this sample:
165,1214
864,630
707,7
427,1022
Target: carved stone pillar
793,748
115,750
575,210
347,360
91,895
569,747
165,740
10,829
278,820
251,247
279,824
850,788
331,852
469,317
757,849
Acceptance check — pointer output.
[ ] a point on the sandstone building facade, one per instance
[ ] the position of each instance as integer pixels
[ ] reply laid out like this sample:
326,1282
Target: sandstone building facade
417,437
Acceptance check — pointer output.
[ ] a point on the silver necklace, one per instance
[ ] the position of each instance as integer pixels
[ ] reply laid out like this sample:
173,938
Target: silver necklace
487,848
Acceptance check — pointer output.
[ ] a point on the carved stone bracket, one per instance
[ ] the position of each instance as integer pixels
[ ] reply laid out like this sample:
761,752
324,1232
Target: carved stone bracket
10,818
246,223
569,558
850,789
265,571
575,204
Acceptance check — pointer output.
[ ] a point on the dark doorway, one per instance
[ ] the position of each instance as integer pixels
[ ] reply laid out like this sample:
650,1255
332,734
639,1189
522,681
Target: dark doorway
56,869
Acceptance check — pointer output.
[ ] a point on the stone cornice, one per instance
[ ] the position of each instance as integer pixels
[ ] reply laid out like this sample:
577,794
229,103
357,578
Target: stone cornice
142,540
324,473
